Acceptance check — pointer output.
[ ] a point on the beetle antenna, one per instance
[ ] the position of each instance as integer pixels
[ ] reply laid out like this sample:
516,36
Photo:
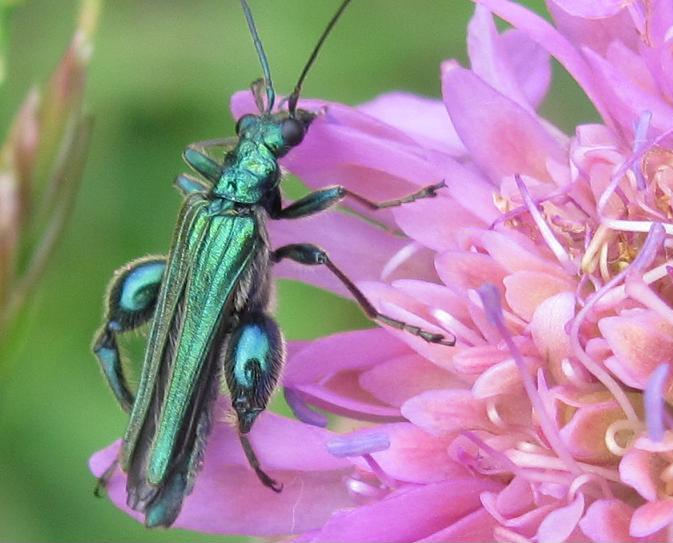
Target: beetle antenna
270,93
294,97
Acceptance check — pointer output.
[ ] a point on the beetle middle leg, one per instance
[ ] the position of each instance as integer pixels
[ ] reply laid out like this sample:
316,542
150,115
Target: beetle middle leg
132,297
311,255
322,199
253,361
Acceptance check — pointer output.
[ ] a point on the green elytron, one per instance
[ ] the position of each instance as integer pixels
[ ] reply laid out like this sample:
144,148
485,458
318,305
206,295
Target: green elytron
208,301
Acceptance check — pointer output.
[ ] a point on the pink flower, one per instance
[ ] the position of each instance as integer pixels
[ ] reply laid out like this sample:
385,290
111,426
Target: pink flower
546,257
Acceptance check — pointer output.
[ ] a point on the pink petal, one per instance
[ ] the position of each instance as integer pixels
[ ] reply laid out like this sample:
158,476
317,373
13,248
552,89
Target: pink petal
641,469
513,252
516,498
475,360
342,396
645,443
593,9
651,517
502,378
628,99
548,329
442,412
482,323
607,521
597,34
275,439
560,524
433,295
327,372
660,20
348,240
408,514
494,58
419,221
540,31
525,291
640,340
476,526
629,64
525,524
423,119
659,61
357,351
398,379
461,180
396,304
415,456
584,434
228,498
330,150
502,137
467,269
530,63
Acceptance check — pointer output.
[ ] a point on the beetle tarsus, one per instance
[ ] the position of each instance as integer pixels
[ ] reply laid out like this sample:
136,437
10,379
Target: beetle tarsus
254,464
104,479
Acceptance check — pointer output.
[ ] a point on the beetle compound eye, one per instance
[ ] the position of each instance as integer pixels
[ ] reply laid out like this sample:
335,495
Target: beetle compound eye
245,122
293,132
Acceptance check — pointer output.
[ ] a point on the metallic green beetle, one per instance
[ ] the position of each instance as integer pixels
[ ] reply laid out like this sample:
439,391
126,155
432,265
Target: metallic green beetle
208,302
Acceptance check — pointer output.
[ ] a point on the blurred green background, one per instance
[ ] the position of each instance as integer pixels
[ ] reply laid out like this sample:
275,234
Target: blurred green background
161,77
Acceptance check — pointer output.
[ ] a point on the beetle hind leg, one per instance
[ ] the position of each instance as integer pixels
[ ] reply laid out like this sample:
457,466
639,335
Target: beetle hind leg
132,296
102,481
254,464
252,365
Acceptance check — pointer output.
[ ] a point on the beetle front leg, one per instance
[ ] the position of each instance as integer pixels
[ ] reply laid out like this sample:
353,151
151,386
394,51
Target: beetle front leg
324,198
188,184
252,365
311,255
131,299
197,156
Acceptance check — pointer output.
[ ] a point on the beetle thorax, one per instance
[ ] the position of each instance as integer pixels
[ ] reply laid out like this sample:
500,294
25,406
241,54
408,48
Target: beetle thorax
252,173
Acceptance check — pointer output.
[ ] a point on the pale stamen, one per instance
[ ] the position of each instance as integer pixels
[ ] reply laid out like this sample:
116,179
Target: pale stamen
628,429
577,375
603,263
559,252
635,226
546,462
399,258
617,294
458,329
505,535
587,479
600,238
493,414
